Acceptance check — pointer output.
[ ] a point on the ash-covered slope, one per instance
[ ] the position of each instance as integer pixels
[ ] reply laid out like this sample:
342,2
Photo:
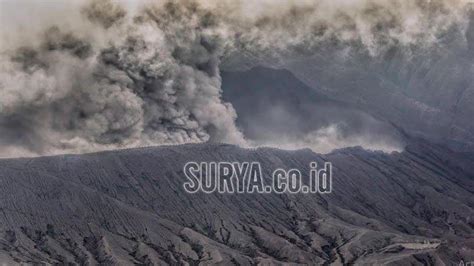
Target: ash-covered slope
129,207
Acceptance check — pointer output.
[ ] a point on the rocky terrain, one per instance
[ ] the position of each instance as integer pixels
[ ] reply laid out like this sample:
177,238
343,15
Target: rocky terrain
390,82
129,207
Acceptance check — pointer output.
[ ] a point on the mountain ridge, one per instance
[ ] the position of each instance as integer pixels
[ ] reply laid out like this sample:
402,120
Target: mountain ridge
129,207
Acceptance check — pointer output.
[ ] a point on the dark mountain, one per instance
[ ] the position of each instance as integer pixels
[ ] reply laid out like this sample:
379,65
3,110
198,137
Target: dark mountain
273,103
129,207
428,91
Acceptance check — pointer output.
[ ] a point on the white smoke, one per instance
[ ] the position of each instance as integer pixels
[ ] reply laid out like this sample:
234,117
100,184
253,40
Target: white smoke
329,138
103,75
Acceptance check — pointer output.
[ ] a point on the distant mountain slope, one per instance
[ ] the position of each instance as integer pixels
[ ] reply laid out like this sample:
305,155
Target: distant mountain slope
428,90
274,104
129,207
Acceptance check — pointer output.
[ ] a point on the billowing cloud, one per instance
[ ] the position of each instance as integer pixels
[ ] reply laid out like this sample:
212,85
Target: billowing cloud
111,75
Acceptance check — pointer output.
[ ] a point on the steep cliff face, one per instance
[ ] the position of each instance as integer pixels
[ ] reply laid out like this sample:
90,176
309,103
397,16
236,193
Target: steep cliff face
275,107
267,99
427,90
129,206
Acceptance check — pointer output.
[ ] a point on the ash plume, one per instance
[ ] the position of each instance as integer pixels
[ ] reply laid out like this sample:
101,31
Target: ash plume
116,78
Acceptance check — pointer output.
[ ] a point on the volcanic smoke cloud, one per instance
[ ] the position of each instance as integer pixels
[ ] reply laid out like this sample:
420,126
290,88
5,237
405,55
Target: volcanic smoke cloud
118,78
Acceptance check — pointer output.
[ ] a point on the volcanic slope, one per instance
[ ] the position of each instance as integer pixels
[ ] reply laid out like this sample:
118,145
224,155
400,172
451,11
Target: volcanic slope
129,207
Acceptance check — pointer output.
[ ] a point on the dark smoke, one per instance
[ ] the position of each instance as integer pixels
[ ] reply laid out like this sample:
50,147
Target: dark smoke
153,76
